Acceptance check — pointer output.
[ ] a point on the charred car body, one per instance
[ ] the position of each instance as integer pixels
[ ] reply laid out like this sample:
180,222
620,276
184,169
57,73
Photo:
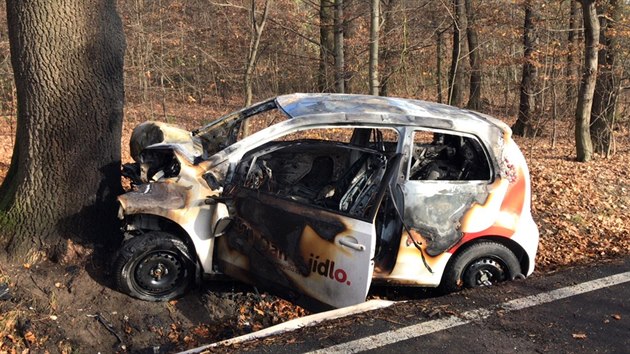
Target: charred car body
327,194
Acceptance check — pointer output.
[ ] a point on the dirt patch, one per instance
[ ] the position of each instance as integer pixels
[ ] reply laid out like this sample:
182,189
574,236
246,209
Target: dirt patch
73,308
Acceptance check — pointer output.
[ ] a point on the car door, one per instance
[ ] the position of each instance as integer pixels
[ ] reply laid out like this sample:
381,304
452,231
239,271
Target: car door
317,252
448,174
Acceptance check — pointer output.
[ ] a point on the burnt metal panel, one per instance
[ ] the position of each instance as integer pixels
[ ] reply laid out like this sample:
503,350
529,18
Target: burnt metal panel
435,210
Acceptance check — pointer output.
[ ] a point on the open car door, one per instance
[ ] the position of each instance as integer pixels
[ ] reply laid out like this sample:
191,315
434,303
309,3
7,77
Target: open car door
307,232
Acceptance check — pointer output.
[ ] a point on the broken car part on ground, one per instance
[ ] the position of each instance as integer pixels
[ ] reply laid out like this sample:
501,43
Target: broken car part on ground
326,194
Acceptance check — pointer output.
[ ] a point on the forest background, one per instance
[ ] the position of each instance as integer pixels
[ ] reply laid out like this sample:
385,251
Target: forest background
523,61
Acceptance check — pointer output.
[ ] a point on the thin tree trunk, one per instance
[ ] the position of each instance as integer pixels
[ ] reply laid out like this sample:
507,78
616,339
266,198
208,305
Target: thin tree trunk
583,144
65,170
438,51
523,125
455,77
474,55
575,22
340,74
374,41
605,96
254,43
326,46
388,57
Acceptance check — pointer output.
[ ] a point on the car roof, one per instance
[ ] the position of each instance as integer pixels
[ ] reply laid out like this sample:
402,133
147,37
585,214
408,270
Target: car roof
398,110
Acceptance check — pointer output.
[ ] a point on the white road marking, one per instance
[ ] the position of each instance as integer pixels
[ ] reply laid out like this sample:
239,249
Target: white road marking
301,322
423,328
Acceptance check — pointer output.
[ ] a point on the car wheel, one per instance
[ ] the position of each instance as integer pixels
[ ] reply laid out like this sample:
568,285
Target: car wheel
155,266
481,264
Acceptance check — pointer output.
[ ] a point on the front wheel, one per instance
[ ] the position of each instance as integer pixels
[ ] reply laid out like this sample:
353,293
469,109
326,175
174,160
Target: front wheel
482,264
155,266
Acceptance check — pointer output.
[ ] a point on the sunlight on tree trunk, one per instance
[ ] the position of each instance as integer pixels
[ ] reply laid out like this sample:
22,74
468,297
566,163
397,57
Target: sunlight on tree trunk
583,144
374,34
65,171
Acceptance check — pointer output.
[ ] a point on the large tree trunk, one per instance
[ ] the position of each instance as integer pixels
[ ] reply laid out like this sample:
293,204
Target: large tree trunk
326,45
65,172
340,72
456,75
474,55
605,96
583,144
523,125
374,34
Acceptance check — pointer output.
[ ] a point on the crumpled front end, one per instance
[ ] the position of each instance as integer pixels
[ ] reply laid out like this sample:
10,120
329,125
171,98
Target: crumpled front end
170,189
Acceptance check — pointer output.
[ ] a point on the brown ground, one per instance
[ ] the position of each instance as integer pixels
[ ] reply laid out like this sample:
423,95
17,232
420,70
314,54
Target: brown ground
581,209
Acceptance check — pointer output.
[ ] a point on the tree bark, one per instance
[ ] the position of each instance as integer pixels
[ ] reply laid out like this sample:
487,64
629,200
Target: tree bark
64,177
605,96
523,124
573,64
374,41
340,73
390,43
456,77
326,45
252,55
439,38
474,56
583,143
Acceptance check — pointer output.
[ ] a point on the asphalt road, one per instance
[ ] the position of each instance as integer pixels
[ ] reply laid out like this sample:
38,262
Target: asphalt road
576,310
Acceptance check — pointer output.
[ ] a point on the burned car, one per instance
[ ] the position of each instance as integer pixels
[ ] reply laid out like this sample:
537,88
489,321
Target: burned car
324,195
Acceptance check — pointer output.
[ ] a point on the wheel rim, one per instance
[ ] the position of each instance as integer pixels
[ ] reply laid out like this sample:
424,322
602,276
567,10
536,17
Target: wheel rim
159,273
485,272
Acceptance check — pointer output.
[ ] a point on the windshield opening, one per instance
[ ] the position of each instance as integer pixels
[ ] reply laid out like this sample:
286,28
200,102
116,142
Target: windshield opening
232,127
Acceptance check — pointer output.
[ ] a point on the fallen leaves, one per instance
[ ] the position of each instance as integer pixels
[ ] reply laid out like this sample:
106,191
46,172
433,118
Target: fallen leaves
580,208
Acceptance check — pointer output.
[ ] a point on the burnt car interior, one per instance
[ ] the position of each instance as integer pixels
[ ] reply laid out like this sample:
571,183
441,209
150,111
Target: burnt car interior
330,175
447,157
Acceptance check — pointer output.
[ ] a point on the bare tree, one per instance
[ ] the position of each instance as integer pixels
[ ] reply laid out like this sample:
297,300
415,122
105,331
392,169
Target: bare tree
340,74
67,60
388,49
606,88
254,42
573,65
523,125
456,77
583,143
326,44
374,41
474,56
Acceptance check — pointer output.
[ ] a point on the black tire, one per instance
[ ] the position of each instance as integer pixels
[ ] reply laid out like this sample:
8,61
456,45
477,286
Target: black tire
481,264
155,266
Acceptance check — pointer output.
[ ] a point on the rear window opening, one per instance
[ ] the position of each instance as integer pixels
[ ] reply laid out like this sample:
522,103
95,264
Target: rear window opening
438,156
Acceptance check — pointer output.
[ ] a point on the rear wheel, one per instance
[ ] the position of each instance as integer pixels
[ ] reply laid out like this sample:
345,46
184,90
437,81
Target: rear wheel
154,266
482,264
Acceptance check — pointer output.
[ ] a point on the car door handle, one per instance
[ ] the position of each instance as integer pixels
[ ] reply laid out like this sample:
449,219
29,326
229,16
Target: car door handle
351,242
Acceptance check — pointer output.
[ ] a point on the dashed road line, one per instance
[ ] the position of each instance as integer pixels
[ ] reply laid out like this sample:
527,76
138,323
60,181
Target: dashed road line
424,328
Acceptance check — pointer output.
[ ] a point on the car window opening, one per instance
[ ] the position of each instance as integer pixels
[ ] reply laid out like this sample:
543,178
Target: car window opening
447,157
337,176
